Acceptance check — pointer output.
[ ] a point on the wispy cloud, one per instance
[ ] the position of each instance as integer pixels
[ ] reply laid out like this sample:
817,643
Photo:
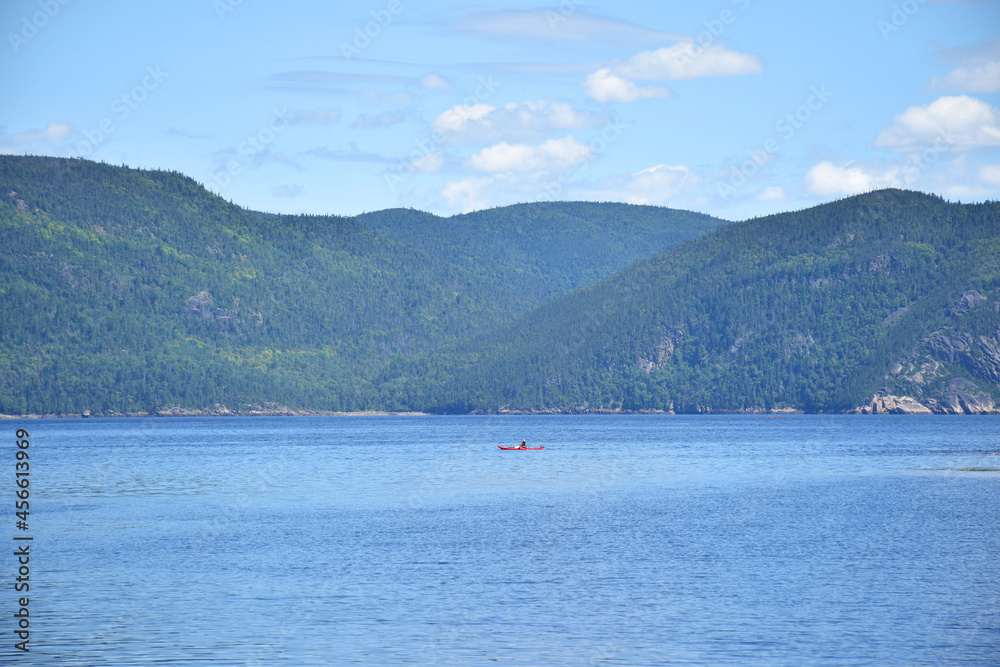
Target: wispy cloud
317,116
331,82
55,136
384,119
655,185
326,77
435,82
430,163
979,79
682,61
349,154
771,193
977,71
533,67
515,121
548,25
260,158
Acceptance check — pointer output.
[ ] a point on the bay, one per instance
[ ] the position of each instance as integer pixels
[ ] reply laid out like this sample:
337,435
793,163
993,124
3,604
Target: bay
628,540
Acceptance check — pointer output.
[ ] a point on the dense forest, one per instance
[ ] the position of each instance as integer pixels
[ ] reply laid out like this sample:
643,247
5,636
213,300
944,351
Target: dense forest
124,290
818,310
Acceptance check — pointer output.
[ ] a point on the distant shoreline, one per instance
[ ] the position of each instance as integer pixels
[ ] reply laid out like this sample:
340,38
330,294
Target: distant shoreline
216,413
178,413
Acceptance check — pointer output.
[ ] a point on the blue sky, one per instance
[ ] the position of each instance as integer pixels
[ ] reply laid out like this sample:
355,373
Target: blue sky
732,107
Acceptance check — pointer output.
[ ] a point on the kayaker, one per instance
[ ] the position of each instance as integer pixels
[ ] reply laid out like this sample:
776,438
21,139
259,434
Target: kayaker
524,444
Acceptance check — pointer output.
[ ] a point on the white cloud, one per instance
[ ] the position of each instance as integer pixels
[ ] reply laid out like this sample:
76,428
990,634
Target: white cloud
990,173
949,123
524,121
468,194
772,193
54,136
657,184
604,86
458,117
553,154
971,79
682,61
505,157
547,114
686,60
430,163
435,82
828,180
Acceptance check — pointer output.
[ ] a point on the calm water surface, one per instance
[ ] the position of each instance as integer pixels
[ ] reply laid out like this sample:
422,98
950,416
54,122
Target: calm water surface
666,540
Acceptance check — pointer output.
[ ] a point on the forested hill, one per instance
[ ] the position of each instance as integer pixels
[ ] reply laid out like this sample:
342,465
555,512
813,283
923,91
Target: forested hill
850,304
551,248
125,290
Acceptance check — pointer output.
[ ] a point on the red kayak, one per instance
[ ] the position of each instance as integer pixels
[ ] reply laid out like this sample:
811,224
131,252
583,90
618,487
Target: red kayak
521,448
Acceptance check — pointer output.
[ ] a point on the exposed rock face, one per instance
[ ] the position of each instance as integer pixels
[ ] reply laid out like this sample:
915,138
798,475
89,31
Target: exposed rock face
893,405
955,370
964,398
201,305
969,300
951,347
980,354
987,362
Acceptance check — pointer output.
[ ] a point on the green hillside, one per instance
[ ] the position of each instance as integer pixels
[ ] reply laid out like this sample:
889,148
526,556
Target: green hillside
527,243
134,291
815,310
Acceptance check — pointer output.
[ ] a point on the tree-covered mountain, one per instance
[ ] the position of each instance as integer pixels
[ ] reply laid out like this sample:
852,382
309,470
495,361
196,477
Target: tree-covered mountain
124,290
844,305
528,243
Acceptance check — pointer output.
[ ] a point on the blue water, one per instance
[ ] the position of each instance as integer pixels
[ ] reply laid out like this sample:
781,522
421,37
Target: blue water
630,540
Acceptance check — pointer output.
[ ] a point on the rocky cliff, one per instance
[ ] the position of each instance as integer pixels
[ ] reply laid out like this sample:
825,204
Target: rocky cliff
954,370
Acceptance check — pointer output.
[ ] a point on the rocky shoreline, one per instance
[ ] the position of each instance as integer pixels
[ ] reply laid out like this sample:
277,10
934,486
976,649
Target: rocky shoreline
949,404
